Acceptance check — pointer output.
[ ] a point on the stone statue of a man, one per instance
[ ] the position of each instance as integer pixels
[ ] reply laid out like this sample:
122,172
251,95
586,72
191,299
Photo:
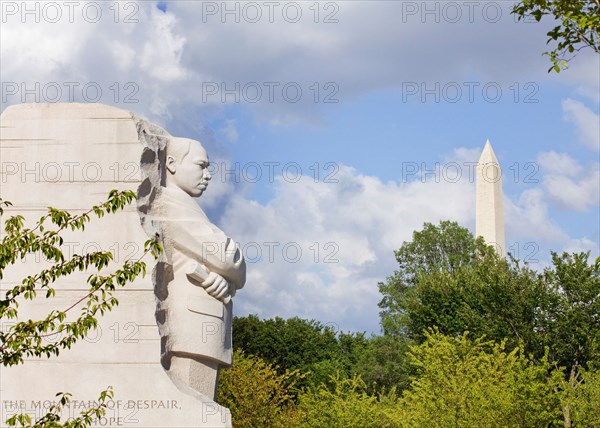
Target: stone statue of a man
203,270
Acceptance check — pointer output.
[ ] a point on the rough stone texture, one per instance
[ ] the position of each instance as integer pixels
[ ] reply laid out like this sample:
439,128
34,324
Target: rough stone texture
489,216
198,274
70,156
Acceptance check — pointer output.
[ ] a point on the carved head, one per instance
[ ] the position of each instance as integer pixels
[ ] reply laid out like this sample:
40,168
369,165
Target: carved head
187,166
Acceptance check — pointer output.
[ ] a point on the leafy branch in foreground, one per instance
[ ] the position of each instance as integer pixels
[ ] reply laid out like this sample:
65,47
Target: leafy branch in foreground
578,23
52,418
25,338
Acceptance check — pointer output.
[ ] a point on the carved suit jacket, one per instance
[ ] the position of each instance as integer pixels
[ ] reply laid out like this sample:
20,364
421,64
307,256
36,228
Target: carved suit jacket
190,321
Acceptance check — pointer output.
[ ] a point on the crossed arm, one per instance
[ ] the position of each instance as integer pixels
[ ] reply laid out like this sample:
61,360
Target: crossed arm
220,266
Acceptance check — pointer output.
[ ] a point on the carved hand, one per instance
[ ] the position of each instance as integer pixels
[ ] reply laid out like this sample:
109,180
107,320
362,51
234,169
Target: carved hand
217,286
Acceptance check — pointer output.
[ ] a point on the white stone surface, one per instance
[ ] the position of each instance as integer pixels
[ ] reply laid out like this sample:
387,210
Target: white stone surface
489,212
70,156
199,274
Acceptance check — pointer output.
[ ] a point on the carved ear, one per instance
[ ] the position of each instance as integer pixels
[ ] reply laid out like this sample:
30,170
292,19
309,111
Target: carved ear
171,164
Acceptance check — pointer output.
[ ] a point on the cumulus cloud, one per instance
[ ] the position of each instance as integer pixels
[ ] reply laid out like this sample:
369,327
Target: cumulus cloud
135,64
160,56
346,230
527,219
567,183
582,245
318,249
587,123
559,164
171,54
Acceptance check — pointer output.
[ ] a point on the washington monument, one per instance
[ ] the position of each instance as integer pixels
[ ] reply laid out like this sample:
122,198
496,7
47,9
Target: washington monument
489,213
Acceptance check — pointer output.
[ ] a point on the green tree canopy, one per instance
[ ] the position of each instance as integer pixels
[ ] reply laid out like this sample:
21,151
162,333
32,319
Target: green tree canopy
502,299
461,382
442,248
257,395
290,344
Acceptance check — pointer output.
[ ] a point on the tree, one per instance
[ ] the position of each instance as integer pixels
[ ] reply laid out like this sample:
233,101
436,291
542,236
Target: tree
25,338
383,364
288,344
477,383
442,248
572,318
582,399
257,395
578,23
502,299
491,296
345,405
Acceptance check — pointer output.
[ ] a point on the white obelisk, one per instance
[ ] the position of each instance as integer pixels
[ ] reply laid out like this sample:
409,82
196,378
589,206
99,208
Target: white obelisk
489,213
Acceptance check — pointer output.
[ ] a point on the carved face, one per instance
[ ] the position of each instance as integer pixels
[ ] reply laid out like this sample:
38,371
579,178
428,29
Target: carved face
191,174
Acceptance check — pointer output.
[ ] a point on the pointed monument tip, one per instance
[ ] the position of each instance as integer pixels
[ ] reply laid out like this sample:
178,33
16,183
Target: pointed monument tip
487,154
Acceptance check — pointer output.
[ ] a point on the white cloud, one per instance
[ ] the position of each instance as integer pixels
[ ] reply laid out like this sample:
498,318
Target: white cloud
346,231
582,245
527,219
559,163
587,123
170,55
583,73
575,195
136,66
358,222
568,184
161,54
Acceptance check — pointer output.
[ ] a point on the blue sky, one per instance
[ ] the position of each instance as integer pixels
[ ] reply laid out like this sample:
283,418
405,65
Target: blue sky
418,86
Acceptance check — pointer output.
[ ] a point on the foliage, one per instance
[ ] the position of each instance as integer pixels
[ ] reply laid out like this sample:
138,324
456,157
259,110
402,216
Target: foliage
570,323
25,338
502,299
463,382
289,344
345,405
582,399
578,23
257,395
491,297
535,367
297,344
321,354
52,418
383,364
435,248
